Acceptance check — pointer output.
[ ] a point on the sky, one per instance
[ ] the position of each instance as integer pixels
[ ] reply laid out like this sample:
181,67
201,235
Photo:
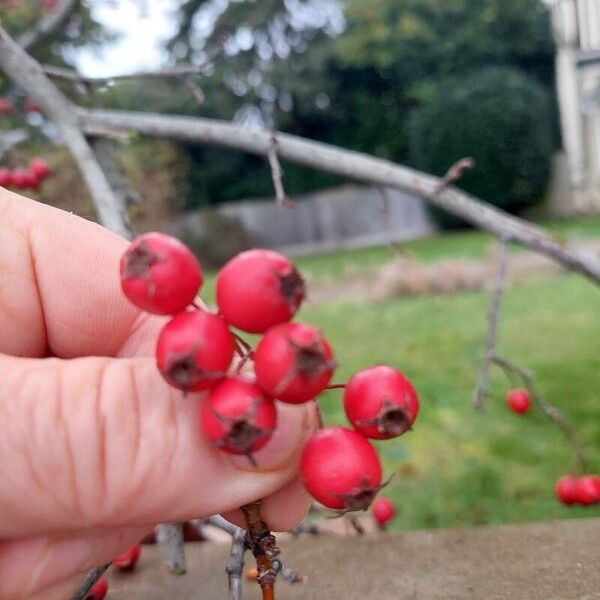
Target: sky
141,30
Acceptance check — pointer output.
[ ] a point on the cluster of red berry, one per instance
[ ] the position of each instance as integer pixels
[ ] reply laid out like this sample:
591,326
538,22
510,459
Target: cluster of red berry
569,489
259,291
24,179
7,106
578,490
46,4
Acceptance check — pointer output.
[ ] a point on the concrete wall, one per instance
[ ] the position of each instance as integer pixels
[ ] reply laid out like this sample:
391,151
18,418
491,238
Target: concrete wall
346,216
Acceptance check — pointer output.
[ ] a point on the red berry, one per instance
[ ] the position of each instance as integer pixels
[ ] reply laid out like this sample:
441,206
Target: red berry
341,469
32,182
6,106
39,167
383,510
98,590
20,178
566,489
129,558
238,417
5,177
258,289
194,350
31,106
293,362
380,402
518,400
160,274
588,490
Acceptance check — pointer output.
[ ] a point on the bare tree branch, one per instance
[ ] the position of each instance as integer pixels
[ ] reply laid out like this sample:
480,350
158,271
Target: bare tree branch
90,579
355,166
10,139
235,564
48,25
180,71
26,73
511,368
171,541
277,174
481,388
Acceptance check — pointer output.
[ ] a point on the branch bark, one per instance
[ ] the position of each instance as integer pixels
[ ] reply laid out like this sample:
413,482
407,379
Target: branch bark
171,541
26,73
90,579
48,25
481,388
354,165
235,564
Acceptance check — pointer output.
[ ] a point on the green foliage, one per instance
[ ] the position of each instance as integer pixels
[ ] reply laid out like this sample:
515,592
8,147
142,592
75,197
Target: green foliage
502,119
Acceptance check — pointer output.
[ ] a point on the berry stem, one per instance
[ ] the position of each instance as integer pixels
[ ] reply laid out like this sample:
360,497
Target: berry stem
248,355
336,386
262,543
90,580
511,370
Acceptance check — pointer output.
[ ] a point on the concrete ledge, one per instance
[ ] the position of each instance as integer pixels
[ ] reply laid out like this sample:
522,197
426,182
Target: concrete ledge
543,561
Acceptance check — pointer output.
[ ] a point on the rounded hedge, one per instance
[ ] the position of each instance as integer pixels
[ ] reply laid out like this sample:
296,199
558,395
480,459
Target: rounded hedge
500,117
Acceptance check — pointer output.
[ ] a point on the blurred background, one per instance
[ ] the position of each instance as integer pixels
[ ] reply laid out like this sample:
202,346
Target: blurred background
515,84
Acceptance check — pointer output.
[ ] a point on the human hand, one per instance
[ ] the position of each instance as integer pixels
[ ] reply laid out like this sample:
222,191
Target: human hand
95,448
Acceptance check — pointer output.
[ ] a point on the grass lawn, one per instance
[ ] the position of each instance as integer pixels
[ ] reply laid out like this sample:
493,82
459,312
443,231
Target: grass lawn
459,467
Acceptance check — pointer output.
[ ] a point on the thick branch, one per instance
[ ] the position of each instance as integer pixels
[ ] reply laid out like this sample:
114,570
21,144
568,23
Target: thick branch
235,565
171,541
180,71
27,74
48,25
481,389
353,165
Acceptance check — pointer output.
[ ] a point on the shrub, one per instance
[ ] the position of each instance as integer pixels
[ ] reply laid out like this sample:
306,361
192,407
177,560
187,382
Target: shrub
500,117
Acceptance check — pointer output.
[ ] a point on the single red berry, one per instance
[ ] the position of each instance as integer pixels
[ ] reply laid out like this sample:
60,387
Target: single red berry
31,106
380,402
194,350
20,178
5,177
129,558
6,106
588,490
238,417
293,362
39,167
160,274
383,510
98,590
566,489
518,400
341,469
258,289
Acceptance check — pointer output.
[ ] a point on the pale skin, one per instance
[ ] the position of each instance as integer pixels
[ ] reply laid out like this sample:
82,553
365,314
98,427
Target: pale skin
95,448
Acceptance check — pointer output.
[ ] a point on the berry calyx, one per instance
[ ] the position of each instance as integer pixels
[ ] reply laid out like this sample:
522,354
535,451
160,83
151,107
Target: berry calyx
129,558
381,402
194,350
566,489
293,362
588,490
238,417
160,274
99,590
341,469
518,400
383,510
258,289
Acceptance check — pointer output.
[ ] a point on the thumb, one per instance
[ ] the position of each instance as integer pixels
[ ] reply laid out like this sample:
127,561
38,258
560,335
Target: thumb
105,442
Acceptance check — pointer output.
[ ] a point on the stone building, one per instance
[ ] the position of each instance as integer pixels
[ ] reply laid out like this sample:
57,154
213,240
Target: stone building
576,25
